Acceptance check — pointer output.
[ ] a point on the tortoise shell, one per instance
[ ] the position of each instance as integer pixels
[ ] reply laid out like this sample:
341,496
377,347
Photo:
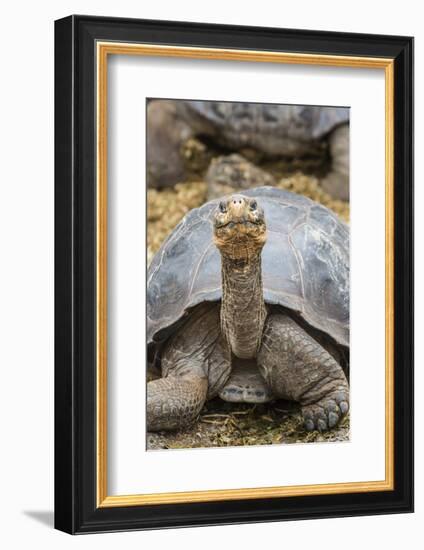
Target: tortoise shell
271,128
305,265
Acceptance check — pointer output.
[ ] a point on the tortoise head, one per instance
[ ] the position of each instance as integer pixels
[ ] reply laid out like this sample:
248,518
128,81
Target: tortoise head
239,227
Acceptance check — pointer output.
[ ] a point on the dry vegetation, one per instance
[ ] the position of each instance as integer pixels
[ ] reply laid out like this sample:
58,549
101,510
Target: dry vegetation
226,425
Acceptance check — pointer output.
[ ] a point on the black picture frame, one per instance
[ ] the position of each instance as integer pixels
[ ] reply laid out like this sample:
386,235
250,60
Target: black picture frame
76,509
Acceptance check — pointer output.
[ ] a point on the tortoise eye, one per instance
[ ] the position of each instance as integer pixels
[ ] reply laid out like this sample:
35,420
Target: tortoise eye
222,207
253,205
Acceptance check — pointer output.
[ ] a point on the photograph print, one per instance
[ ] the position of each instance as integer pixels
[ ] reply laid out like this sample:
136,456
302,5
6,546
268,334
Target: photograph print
248,274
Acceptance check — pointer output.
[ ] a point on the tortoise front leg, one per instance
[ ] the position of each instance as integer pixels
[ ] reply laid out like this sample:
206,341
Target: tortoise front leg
298,368
175,401
196,364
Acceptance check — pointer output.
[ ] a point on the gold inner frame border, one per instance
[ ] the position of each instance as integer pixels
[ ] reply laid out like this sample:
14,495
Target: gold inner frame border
103,50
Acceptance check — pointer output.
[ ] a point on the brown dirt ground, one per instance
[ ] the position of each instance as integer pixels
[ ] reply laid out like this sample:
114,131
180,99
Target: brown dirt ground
223,424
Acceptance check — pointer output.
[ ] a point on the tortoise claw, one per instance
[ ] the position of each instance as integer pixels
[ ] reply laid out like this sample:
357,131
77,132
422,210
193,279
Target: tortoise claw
325,414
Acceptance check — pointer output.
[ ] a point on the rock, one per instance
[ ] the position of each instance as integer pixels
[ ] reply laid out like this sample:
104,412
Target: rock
232,173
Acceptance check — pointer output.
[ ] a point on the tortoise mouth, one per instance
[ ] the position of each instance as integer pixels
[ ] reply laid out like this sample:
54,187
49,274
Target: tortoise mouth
233,223
241,238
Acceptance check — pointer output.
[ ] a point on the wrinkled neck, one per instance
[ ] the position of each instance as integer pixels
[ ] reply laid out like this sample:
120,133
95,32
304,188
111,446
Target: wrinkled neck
243,309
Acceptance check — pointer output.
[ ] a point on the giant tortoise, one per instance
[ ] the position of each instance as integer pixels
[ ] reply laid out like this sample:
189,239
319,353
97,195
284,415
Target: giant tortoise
274,131
248,300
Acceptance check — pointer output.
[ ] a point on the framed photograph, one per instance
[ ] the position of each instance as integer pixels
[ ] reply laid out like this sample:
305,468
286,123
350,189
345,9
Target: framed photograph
233,265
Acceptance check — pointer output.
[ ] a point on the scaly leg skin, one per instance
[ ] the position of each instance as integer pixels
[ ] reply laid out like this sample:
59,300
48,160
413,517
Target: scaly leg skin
298,368
196,364
174,402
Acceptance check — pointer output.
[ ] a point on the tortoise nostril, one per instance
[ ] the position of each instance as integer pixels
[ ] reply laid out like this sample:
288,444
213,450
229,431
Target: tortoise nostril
237,201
